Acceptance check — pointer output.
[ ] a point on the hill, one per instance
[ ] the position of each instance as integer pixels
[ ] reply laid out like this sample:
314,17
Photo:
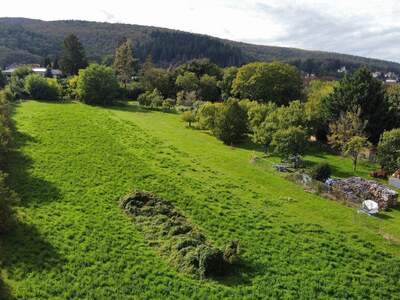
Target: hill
26,41
75,161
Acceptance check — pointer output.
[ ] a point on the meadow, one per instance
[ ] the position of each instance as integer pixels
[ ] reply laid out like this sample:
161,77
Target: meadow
73,162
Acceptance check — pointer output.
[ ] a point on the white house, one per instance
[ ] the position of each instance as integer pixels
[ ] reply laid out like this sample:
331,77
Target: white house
36,70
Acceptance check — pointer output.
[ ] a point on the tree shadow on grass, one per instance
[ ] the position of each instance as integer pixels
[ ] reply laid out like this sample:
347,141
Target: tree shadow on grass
134,107
5,292
240,273
24,249
31,190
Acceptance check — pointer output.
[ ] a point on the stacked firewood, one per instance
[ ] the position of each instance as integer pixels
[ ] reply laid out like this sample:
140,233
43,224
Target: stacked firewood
357,190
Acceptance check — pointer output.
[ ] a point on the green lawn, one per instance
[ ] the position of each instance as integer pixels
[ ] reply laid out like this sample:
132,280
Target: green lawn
73,241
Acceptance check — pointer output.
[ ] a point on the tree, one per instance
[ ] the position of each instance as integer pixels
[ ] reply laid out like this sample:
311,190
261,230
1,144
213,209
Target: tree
392,95
206,115
277,82
47,62
389,150
353,148
209,90
3,80
276,119
157,78
361,91
188,117
55,64
345,128
187,82
229,75
289,141
201,67
73,56
97,84
124,62
315,107
230,122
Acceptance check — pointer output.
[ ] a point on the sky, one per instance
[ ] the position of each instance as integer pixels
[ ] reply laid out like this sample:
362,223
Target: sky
368,28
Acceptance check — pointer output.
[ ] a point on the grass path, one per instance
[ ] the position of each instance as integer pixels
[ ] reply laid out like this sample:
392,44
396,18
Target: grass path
73,242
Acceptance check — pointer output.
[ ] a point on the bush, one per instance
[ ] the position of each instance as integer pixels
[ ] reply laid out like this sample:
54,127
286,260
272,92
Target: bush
97,84
206,115
389,150
17,82
188,117
151,99
321,172
41,88
168,104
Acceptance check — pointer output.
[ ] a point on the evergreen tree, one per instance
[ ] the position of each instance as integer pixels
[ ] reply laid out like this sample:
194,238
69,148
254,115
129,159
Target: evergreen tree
124,62
73,56
361,91
55,64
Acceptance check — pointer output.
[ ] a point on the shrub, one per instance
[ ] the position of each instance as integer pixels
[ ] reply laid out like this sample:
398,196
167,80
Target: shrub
321,172
72,88
41,88
97,84
151,99
168,104
389,150
188,117
17,82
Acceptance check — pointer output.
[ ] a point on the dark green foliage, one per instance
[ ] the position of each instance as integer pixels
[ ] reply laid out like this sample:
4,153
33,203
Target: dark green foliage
389,150
40,88
5,125
158,78
182,244
3,80
392,95
230,124
276,82
97,84
209,90
7,198
361,91
321,172
124,62
73,56
289,141
201,67
229,75
171,47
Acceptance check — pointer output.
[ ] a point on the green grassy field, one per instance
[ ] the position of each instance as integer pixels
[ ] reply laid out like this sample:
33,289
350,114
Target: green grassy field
74,242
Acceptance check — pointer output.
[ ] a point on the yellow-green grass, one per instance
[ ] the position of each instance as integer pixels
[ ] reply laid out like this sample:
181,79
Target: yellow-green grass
73,241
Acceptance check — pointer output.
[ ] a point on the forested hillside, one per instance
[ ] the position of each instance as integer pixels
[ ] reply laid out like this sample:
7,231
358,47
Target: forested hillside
27,41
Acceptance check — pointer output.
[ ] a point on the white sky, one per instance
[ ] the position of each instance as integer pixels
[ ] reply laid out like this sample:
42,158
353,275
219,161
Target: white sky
368,28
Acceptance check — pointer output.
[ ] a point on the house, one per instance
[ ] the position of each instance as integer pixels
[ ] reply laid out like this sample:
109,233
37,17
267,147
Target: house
35,69
342,70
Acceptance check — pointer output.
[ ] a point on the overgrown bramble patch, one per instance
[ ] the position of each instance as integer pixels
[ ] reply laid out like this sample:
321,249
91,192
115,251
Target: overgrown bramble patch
184,245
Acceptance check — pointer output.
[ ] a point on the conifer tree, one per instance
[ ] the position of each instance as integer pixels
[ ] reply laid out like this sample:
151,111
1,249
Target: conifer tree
73,56
124,62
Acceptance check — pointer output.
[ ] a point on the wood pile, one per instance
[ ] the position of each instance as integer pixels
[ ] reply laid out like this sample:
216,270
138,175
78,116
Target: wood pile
357,190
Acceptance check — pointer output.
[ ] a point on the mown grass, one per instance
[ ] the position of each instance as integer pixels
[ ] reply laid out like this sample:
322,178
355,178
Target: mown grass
73,242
